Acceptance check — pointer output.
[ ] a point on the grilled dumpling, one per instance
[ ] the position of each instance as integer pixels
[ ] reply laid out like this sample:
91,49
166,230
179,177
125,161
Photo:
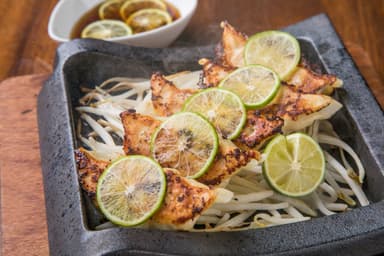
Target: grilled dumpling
185,201
89,169
167,99
290,110
306,81
138,129
299,110
228,161
213,72
233,43
259,127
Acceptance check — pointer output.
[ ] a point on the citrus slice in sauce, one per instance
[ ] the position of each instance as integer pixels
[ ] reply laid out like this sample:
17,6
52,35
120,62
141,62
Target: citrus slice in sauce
106,29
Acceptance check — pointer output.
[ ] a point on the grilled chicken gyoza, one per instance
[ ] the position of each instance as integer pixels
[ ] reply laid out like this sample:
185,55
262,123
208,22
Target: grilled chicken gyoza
297,104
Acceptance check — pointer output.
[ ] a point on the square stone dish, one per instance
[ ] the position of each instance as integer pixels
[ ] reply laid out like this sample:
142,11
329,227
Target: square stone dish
71,218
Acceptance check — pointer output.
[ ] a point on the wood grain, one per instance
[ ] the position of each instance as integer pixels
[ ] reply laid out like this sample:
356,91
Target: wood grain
361,23
366,67
25,45
23,220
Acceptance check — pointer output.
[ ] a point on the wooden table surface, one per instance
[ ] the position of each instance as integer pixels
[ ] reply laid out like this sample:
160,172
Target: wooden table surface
28,53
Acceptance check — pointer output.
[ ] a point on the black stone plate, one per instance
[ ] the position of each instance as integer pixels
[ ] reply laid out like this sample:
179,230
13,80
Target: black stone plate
71,219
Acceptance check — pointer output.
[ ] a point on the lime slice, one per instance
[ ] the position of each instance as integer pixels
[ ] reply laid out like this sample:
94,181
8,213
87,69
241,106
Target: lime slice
276,50
130,190
148,19
222,108
186,142
105,29
110,9
131,6
294,165
254,84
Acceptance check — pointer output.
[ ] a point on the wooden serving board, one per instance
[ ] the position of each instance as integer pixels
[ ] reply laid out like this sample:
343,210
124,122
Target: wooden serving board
23,219
22,206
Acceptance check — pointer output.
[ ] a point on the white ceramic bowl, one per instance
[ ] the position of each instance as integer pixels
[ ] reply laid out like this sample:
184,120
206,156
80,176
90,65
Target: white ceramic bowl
67,12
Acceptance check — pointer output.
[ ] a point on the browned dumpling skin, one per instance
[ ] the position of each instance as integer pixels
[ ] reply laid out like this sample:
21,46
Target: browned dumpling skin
259,127
288,107
167,99
138,130
89,169
306,81
290,104
184,202
213,72
227,163
233,43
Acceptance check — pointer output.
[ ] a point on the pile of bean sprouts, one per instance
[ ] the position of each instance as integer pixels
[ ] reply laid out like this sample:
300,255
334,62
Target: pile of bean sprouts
254,204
